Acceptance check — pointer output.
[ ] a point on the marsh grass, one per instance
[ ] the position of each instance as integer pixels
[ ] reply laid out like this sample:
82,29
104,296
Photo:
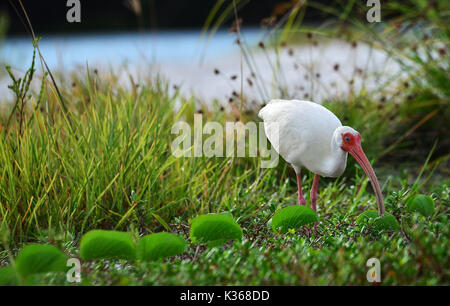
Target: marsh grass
79,176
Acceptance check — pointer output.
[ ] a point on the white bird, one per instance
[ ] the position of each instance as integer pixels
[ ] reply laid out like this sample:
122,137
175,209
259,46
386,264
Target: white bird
308,135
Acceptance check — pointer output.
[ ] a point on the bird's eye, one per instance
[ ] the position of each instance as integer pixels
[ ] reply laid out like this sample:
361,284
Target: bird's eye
347,138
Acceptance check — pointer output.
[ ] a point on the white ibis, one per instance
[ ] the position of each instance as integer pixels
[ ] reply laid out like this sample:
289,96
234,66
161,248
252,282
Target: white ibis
308,135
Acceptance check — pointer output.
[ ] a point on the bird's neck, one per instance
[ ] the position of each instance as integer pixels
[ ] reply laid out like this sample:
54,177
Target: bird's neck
337,159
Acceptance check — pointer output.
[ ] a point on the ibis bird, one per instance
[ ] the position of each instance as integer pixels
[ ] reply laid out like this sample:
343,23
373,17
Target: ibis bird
307,134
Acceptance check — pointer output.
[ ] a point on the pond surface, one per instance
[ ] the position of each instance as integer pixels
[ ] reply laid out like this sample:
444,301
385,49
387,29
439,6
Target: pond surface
214,68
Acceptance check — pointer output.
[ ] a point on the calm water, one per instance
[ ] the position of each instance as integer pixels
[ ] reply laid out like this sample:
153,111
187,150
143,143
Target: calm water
189,61
68,52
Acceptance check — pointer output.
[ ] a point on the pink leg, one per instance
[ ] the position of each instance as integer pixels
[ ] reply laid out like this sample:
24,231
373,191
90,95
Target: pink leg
314,188
301,198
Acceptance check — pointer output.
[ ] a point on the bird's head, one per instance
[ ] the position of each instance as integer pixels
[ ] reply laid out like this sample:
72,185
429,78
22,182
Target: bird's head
349,140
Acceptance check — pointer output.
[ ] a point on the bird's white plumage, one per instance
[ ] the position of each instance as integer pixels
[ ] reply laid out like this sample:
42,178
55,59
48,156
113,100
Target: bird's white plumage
306,134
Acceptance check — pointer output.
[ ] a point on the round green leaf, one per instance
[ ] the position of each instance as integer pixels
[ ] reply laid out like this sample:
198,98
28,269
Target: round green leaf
40,258
293,217
8,277
387,223
101,244
160,246
214,230
422,204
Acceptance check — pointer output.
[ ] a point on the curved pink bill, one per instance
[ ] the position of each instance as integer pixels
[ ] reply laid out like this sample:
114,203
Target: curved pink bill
358,153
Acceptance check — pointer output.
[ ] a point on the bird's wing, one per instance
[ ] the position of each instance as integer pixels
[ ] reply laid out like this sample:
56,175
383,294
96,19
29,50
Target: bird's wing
284,126
266,108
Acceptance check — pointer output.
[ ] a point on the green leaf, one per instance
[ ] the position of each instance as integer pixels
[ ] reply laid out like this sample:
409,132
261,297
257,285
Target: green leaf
160,246
8,277
214,229
101,244
292,217
422,204
40,258
387,223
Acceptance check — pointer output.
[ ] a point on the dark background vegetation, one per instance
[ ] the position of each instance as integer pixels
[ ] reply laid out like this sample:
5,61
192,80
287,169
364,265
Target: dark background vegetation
104,15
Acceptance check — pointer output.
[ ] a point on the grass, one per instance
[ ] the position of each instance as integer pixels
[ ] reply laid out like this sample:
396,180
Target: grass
110,167
95,155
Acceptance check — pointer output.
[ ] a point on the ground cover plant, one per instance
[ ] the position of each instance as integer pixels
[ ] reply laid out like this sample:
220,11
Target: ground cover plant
134,184
87,172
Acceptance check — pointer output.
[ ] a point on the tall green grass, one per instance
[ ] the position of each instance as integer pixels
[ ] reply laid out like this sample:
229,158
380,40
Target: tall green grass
110,165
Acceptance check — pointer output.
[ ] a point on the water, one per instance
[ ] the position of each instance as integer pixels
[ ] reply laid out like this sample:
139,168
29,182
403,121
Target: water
305,71
68,52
